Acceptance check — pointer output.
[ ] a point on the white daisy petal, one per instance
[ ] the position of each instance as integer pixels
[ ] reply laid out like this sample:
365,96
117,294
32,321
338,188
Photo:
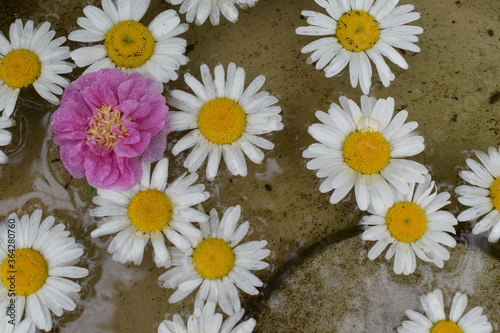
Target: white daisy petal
159,58
344,47
415,225
48,253
43,54
153,207
483,195
204,319
218,276
255,114
433,305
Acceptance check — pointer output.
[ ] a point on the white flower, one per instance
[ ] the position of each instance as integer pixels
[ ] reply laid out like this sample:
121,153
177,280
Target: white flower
42,255
435,320
219,263
484,195
150,210
24,326
31,57
360,31
5,137
225,120
412,225
364,149
205,320
153,51
200,10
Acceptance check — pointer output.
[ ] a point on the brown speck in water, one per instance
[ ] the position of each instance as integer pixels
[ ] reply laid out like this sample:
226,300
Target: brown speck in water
454,118
268,187
490,32
495,97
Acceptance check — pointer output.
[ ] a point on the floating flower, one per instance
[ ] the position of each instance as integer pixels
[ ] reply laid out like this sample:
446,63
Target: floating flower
150,210
412,225
205,320
37,261
5,137
24,326
360,31
107,124
217,262
31,57
364,149
224,120
200,10
435,320
153,51
484,195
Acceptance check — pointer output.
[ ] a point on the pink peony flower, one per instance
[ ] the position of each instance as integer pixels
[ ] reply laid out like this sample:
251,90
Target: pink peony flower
107,124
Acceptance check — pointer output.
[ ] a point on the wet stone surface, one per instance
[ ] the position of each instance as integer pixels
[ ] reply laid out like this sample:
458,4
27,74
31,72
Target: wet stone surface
451,89
336,291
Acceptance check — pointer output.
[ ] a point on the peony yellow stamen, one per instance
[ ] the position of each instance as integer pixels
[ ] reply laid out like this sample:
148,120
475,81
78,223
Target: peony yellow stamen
129,44
213,258
25,273
150,211
446,326
107,127
357,31
20,68
495,193
222,121
366,152
406,221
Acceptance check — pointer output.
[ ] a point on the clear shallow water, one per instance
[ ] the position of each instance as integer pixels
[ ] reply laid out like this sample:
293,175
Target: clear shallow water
449,89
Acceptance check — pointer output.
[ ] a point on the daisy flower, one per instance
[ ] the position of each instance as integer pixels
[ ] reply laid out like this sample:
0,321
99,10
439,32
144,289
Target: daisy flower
108,123
150,210
32,57
36,266
412,225
435,320
5,137
200,10
205,320
360,31
484,194
225,120
364,148
219,263
153,51
24,326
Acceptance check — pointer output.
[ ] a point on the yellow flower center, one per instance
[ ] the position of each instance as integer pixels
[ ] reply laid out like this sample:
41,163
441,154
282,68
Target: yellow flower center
150,211
129,44
357,31
107,127
213,258
406,221
366,152
446,326
19,68
495,193
25,272
222,121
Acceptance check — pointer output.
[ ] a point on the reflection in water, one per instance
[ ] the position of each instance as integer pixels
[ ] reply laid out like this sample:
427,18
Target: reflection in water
447,90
